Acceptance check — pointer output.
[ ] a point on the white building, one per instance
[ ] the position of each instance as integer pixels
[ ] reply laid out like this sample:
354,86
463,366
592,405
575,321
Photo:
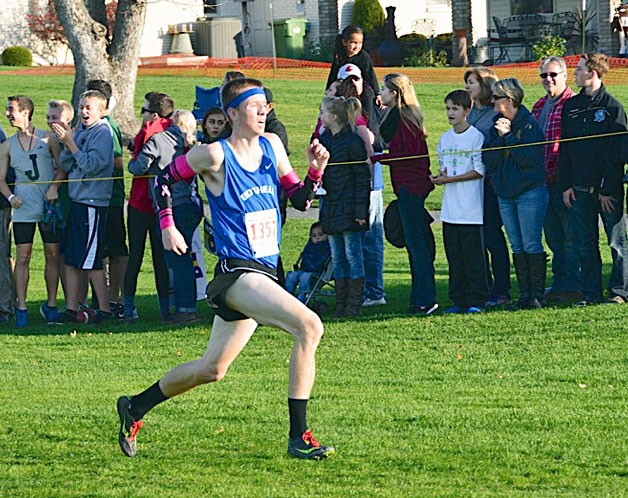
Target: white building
325,18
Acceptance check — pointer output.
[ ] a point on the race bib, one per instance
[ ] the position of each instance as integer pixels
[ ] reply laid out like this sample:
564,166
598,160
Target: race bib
624,21
261,229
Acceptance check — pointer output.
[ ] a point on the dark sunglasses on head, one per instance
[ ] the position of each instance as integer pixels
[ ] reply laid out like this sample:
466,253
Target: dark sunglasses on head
551,75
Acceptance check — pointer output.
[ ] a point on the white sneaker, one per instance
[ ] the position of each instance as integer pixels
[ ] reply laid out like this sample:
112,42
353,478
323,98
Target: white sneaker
374,302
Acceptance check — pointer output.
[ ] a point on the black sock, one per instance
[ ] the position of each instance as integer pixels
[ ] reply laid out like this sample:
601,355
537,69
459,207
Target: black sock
146,400
298,417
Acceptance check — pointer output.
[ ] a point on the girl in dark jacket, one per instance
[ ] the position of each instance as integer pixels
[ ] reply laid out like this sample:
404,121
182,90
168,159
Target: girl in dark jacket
344,212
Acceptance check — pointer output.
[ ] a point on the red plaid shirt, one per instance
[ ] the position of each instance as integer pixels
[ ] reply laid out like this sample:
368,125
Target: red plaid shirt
552,133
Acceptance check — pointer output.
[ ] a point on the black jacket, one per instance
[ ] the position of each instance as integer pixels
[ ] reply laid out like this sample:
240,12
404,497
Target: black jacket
348,186
592,162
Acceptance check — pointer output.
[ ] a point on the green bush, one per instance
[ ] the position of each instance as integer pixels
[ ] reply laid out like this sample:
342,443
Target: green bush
426,58
548,46
17,56
369,15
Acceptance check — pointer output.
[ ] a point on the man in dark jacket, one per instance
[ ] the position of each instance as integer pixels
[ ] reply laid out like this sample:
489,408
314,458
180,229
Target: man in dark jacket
590,174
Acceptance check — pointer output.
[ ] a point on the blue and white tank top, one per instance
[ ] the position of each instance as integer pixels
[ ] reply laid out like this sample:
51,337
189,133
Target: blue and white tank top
246,219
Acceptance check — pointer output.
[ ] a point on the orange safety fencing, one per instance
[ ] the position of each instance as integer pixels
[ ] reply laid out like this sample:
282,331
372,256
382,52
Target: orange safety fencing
292,69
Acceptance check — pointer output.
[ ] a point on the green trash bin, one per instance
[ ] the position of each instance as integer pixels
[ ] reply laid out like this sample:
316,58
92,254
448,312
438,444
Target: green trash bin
289,35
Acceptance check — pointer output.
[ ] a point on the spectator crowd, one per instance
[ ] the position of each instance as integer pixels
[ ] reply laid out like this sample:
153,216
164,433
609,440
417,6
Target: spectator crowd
515,180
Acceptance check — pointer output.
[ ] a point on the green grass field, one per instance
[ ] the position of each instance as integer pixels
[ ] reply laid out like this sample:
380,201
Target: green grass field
529,403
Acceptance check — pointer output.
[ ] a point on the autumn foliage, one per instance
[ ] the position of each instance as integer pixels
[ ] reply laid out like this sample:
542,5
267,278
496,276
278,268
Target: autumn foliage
44,22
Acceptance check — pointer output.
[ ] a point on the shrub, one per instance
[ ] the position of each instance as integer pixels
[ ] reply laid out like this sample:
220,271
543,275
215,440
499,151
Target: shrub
426,58
17,56
369,15
548,46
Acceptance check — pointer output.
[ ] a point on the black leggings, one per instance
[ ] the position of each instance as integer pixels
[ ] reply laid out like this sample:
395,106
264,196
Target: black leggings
138,225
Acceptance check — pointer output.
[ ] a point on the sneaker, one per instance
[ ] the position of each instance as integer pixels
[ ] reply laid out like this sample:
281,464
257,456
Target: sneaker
21,318
182,317
128,427
374,302
615,299
102,317
497,300
585,302
117,309
4,317
308,447
91,313
423,310
71,316
474,309
454,309
50,313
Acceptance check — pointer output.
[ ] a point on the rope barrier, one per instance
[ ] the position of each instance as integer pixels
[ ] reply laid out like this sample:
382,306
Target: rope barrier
420,156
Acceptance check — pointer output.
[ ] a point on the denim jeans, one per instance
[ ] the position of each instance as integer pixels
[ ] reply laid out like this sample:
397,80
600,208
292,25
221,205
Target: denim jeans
181,267
346,255
495,245
373,249
615,228
301,279
566,276
411,211
583,247
523,219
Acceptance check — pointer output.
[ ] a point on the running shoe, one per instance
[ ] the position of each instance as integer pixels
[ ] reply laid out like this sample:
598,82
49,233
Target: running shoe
102,317
474,309
128,427
374,302
308,447
71,316
423,310
117,309
50,313
21,318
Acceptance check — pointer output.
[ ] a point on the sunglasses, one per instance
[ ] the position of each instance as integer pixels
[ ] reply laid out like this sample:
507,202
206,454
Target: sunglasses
499,97
143,110
551,75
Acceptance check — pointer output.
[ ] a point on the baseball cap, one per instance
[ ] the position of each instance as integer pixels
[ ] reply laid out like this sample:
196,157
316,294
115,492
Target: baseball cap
349,70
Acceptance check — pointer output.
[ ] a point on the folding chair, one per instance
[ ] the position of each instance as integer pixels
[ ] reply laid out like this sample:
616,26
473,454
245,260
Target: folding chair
206,98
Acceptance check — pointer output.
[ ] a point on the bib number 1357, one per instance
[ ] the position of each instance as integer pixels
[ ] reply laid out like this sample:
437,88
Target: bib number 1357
261,230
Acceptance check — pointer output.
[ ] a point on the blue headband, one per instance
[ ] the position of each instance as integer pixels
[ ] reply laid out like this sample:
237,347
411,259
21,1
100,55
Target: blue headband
245,95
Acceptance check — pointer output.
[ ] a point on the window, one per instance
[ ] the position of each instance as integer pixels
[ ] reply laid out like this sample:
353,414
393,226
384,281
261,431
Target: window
210,6
519,7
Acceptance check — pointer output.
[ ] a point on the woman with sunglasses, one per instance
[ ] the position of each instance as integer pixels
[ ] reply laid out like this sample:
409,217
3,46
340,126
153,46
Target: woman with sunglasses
514,153
478,82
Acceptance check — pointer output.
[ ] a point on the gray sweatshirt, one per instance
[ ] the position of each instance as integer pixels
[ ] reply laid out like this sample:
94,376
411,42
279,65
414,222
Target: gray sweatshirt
92,161
157,154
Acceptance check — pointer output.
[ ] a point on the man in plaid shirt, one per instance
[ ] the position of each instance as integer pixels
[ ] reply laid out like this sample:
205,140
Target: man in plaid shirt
547,111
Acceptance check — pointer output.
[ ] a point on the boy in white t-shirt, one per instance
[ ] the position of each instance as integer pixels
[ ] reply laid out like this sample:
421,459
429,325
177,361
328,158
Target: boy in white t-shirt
461,171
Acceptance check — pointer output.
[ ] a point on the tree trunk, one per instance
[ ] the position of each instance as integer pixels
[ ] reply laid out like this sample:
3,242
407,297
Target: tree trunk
108,56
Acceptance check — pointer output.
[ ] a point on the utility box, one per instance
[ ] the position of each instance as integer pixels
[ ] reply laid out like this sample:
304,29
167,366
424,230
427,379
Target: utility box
215,37
289,35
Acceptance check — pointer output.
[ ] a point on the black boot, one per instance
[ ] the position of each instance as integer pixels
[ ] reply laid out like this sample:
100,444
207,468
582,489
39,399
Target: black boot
522,270
342,294
537,267
354,298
